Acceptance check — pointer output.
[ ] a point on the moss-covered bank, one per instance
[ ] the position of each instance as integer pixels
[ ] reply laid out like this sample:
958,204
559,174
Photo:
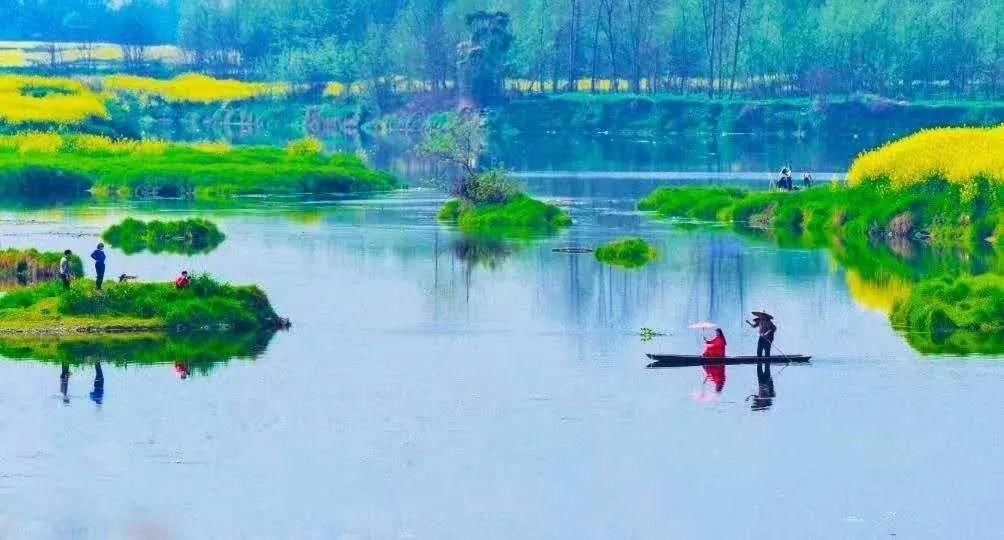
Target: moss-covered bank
187,237
626,253
206,305
954,314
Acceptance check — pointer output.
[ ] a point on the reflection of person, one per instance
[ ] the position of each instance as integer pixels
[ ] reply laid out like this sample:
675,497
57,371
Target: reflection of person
764,324
66,269
716,374
99,265
182,370
98,394
64,382
182,281
765,395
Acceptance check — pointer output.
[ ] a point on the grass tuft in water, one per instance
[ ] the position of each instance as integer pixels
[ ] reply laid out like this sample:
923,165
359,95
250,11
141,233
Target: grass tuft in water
626,253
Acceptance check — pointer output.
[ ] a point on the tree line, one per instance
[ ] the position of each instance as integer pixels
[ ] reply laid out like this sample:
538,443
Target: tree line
897,48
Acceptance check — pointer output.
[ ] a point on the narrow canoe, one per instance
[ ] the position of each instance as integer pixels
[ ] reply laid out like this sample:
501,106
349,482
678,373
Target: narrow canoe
683,360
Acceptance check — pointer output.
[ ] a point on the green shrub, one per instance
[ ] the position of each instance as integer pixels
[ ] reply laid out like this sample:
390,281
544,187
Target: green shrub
520,215
627,253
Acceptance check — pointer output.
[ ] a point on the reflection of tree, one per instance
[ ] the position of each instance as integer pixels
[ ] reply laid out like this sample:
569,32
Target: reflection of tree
488,253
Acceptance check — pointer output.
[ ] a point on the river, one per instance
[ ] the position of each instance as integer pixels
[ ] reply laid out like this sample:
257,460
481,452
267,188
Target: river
435,386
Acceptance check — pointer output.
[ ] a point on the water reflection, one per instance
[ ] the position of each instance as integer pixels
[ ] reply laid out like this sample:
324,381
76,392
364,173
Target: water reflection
763,399
199,354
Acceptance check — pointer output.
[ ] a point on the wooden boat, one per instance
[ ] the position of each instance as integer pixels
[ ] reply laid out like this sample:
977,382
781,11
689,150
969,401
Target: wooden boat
683,360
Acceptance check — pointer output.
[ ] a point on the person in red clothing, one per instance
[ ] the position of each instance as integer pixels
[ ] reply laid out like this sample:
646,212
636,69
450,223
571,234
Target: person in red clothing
182,281
715,348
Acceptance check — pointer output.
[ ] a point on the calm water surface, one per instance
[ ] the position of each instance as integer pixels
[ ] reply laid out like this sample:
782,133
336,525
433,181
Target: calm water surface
437,387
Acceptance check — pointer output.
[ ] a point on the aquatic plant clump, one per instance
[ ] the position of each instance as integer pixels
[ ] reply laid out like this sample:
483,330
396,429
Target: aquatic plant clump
205,305
24,266
129,168
954,314
520,214
188,236
47,100
960,156
626,253
193,88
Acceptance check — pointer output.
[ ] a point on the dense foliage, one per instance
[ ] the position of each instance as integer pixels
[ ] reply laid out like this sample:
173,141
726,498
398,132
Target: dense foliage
128,168
205,305
627,253
188,236
766,47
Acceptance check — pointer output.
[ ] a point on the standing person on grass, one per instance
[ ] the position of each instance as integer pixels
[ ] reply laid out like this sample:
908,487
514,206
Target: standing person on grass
99,265
66,269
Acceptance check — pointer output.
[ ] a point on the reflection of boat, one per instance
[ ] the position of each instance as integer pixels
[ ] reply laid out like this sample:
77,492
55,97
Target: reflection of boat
683,360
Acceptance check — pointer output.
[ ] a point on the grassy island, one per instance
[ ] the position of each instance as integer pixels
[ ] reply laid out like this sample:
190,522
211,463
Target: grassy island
519,214
188,236
44,163
24,266
626,253
206,305
935,193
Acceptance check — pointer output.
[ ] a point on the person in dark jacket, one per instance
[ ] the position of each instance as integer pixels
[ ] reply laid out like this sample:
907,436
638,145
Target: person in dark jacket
99,265
764,323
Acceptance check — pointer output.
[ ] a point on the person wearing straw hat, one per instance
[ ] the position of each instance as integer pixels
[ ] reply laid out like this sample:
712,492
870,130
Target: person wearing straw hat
764,323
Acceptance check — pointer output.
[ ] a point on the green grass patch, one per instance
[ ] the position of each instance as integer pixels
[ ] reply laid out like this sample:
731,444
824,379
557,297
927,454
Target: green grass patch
520,215
188,236
206,305
626,253
46,163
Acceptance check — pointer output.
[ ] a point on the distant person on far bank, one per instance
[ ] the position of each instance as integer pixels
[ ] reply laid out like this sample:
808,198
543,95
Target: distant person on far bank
784,180
807,180
182,281
66,269
99,265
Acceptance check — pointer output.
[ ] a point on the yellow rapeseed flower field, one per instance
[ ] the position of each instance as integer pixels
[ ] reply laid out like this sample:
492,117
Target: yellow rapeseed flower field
957,155
12,58
28,99
193,88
